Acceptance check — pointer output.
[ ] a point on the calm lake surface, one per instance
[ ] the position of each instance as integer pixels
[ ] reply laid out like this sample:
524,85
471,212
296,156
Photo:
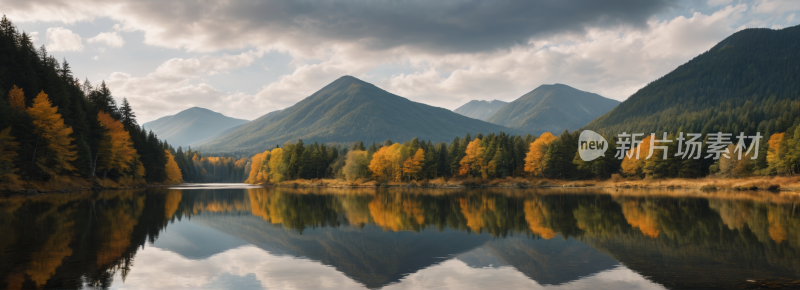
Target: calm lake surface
238,237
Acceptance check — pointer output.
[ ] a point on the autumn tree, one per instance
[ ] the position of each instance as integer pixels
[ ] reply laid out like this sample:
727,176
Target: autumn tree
116,150
413,165
51,130
16,99
173,172
259,168
472,163
534,159
635,159
777,154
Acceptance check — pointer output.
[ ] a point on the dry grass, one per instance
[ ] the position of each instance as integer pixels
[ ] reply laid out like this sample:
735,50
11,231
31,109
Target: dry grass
751,183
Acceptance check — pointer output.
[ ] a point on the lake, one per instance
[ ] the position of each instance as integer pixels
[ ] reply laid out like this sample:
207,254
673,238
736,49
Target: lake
233,236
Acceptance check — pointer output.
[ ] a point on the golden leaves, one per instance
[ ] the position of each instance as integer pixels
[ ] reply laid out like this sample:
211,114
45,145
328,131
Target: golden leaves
535,156
473,160
173,171
116,149
50,126
16,98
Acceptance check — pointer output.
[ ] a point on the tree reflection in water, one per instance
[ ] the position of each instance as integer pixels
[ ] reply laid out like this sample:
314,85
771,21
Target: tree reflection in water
551,236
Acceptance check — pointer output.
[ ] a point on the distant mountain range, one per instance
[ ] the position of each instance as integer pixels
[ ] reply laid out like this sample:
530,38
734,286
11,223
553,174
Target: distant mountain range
191,127
480,110
552,108
349,110
748,82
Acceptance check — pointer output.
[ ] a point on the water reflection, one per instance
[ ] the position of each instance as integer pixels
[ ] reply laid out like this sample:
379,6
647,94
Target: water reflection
257,238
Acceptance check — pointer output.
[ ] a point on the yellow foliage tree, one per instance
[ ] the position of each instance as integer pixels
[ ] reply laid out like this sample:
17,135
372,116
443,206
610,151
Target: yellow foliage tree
387,163
413,165
632,164
259,168
535,156
173,171
473,160
116,148
776,155
276,169
51,128
16,98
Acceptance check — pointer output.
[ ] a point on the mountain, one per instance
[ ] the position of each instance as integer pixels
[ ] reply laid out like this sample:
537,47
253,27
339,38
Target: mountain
748,82
480,110
191,127
552,108
349,110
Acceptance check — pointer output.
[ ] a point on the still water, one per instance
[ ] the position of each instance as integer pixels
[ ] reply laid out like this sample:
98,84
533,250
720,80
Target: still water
239,237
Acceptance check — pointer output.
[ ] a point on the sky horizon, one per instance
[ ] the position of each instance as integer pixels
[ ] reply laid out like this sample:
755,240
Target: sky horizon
246,59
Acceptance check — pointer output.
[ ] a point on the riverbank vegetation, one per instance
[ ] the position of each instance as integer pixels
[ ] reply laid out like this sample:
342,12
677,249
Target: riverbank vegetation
503,160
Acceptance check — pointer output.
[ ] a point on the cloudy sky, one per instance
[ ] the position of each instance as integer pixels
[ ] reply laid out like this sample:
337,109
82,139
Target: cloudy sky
248,58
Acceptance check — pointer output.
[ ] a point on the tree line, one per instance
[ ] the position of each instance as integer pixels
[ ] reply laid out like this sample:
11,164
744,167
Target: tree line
53,127
500,155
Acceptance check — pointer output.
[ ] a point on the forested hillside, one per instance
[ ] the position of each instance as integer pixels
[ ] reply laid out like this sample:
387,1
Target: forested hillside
349,110
552,108
56,129
749,82
191,127
480,110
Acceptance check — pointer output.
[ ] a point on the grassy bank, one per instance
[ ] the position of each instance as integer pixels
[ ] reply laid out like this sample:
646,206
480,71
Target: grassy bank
705,184
12,184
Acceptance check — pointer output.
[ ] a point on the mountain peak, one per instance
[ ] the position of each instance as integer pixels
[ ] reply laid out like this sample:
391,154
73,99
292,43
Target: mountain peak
552,108
192,125
480,109
349,110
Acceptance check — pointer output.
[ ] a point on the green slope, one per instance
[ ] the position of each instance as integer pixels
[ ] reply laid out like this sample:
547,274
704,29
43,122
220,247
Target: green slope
191,126
746,83
349,110
480,110
552,108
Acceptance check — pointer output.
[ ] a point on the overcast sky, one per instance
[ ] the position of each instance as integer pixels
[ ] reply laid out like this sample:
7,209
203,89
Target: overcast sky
247,58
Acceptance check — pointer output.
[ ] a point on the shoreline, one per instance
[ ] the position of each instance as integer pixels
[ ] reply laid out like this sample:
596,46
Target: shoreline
774,185
768,184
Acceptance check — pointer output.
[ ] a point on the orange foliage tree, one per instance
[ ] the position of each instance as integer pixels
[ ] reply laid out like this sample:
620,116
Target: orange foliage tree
116,150
413,165
776,155
473,160
16,98
51,129
534,159
632,164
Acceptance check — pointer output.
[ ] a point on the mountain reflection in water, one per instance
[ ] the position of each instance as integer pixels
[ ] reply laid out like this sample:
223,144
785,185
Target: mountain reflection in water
273,238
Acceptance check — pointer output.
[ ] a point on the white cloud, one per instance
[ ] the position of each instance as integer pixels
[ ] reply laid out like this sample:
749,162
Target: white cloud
112,39
178,84
612,60
776,6
62,39
34,35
